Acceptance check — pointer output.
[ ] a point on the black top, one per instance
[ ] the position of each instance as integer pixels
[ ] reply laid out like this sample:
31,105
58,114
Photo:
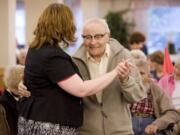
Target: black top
10,105
48,102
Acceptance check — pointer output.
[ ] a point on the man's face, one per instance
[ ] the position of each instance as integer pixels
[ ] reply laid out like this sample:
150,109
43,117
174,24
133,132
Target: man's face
95,39
137,45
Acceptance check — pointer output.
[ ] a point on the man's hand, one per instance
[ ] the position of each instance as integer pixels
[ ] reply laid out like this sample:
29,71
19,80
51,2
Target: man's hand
151,129
124,70
22,90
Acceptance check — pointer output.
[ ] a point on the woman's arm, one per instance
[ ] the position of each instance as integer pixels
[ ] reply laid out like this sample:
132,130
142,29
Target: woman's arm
77,87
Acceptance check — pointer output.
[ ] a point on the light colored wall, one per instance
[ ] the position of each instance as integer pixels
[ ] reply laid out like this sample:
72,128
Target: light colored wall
33,9
7,32
138,9
90,9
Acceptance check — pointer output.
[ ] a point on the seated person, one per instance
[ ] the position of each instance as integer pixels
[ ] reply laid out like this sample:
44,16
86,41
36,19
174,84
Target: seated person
154,114
9,98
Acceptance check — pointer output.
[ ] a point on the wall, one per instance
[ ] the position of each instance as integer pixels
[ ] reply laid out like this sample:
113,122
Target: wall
138,10
7,32
33,9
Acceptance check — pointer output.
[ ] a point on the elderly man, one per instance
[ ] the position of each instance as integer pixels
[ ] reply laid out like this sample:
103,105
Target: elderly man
107,112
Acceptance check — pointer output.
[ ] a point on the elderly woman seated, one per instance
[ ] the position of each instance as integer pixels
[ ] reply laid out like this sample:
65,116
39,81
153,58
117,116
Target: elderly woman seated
8,100
154,114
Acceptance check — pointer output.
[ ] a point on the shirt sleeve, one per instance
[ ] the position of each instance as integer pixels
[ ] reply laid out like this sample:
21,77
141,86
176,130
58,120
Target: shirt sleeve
59,67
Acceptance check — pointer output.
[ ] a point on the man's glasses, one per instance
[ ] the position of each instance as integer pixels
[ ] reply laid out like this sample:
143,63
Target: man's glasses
95,37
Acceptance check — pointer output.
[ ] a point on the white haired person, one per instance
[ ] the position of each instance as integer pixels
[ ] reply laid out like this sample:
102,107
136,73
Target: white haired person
155,114
8,99
138,54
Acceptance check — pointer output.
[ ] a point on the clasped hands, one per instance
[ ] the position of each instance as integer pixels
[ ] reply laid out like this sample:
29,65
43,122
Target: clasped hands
123,69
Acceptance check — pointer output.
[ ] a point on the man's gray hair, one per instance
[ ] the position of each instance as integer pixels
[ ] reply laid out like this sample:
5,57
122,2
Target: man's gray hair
99,21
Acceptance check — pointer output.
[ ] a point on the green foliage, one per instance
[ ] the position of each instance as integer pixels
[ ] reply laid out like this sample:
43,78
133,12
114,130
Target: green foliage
118,27
171,48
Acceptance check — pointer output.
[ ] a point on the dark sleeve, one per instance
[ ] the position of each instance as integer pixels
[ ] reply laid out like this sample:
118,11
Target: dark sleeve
4,128
59,66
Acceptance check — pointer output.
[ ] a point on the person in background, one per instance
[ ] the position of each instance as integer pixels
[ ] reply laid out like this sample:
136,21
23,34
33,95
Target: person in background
12,77
176,93
156,60
21,57
137,41
155,114
106,112
55,106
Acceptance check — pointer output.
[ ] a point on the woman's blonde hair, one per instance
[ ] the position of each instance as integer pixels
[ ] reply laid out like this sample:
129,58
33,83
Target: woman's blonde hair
13,76
55,24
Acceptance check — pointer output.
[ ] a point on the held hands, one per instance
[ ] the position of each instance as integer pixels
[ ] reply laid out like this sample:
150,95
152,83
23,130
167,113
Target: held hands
22,90
123,70
151,129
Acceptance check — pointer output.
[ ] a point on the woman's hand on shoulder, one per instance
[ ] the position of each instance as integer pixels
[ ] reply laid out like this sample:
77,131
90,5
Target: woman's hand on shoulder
22,90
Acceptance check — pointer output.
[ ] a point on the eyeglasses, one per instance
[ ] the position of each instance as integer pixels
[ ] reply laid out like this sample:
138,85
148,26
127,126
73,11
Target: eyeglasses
95,37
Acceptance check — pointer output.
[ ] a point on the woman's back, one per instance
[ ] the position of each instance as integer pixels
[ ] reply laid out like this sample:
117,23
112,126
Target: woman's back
43,69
